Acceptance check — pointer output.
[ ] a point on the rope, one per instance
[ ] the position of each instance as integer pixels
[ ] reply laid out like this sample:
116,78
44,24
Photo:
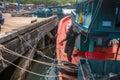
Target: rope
31,72
17,54
40,62
28,70
1,56
50,46
2,62
40,75
20,37
38,50
2,47
45,56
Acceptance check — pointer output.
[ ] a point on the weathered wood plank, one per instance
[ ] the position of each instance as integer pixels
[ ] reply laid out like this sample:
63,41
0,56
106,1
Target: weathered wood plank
27,28
50,35
20,74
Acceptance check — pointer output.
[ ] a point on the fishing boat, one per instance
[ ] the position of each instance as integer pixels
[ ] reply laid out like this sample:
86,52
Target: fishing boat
50,11
98,46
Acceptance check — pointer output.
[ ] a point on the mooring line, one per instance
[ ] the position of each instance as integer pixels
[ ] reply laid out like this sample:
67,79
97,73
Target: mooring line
17,54
43,55
37,74
2,62
3,48
41,75
37,50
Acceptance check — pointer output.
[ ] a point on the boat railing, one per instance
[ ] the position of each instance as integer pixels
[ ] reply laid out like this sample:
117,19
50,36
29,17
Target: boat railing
75,19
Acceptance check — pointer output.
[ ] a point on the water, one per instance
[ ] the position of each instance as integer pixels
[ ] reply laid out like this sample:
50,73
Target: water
42,69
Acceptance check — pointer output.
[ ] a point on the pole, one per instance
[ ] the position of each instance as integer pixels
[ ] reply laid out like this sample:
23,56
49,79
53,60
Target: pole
46,3
4,5
117,52
18,5
46,8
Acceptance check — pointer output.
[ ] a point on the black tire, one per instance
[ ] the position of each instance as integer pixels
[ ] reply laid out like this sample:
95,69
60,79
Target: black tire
69,68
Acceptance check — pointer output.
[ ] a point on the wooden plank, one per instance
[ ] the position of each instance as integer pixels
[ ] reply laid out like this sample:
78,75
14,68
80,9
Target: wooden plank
50,35
19,74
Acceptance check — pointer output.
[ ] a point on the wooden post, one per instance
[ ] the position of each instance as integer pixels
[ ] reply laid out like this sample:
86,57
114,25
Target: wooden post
20,74
50,35
43,43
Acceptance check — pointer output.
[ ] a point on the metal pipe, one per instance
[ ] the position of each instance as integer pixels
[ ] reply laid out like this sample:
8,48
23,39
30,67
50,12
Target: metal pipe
117,52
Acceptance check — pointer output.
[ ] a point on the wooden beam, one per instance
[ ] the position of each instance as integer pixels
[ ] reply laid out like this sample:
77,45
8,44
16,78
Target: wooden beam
50,35
20,74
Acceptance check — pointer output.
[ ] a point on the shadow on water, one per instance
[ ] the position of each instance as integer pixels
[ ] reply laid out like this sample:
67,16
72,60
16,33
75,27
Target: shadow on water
7,73
42,69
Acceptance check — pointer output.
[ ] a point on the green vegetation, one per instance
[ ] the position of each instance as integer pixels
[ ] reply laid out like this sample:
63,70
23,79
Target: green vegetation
48,2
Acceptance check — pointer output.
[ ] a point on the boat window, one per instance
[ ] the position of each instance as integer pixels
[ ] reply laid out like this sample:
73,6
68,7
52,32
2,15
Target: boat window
118,15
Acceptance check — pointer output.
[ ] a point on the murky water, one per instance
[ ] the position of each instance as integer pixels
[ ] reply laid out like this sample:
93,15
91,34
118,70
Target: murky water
42,69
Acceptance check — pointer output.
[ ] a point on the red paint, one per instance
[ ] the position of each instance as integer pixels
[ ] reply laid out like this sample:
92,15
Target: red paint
95,55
